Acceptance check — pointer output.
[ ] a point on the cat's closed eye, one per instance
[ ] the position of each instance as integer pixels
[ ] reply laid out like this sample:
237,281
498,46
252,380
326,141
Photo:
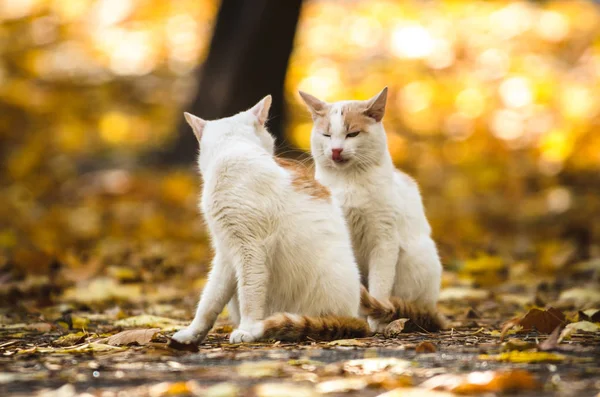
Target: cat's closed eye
327,135
352,134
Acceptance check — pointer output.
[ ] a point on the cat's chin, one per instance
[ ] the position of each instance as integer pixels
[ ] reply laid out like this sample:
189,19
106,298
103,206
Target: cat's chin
340,163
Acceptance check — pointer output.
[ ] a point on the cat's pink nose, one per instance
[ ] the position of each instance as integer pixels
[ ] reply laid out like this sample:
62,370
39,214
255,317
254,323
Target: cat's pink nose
336,154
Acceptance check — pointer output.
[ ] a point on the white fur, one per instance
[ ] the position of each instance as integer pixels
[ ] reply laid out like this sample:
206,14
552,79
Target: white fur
276,249
384,211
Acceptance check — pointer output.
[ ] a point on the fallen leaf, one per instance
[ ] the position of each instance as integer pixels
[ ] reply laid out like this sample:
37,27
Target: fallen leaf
66,390
580,297
146,320
283,390
139,336
94,347
581,326
551,343
346,342
79,322
223,389
518,345
484,382
368,366
223,329
342,385
165,389
463,294
102,289
416,392
259,369
485,270
524,357
395,328
544,321
39,327
425,347
70,339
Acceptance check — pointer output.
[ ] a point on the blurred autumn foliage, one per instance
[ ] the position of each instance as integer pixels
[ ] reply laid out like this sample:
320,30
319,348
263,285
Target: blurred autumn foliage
493,107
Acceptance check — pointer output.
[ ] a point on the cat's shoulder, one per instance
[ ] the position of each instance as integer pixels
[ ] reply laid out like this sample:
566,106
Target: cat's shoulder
303,179
405,182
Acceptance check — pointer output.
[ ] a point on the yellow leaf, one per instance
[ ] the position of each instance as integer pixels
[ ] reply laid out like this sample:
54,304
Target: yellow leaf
259,369
70,339
146,320
80,322
524,357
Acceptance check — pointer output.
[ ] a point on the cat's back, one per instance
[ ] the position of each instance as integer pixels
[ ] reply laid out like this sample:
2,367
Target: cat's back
242,183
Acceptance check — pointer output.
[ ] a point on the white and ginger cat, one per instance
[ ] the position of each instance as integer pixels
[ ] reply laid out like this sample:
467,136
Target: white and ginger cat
282,249
382,206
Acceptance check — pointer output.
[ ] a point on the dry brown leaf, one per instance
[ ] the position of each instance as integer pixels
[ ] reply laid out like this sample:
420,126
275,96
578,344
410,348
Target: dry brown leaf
551,342
484,382
544,321
425,347
139,336
395,328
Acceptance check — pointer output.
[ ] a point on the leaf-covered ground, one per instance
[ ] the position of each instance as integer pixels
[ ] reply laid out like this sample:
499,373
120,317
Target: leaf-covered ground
95,276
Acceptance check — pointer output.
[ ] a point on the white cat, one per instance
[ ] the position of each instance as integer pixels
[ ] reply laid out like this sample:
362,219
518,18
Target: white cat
281,243
383,208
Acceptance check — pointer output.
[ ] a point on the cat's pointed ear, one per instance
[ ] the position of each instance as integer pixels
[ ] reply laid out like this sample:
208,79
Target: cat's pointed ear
376,105
261,109
196,123
316,106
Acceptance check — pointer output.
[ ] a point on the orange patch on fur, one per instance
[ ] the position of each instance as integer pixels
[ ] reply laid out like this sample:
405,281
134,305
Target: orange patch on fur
303,179
355,118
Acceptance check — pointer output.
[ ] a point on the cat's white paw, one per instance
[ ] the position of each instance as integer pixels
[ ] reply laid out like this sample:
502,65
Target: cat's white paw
239,336
376,326
186,336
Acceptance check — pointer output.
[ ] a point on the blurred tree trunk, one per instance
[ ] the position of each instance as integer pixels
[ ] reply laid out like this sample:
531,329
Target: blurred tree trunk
247,60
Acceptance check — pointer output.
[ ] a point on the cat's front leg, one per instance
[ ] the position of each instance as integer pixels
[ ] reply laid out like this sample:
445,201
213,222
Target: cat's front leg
252,282
382,273
218,291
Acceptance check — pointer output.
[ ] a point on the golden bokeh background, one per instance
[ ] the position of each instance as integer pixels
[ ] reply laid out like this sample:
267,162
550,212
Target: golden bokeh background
494,108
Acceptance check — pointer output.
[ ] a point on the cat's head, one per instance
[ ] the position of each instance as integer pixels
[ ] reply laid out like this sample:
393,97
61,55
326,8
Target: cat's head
248,126
347,134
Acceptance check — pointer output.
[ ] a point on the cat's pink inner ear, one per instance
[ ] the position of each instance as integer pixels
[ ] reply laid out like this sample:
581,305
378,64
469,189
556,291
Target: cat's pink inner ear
376,105
314,104
261,109
196,123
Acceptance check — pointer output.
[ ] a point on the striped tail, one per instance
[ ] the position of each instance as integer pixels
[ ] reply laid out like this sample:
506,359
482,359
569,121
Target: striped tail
293,327
394,308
